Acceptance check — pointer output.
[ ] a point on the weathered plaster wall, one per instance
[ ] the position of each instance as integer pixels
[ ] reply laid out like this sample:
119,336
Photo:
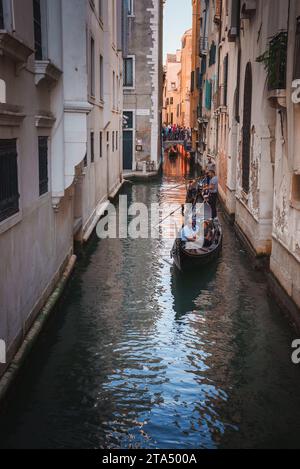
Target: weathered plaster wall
145,43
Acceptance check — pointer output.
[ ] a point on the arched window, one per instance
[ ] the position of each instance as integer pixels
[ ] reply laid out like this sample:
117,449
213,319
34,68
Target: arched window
247,128
2,91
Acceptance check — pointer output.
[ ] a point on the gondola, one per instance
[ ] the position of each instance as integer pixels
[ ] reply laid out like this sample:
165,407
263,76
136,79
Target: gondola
186,258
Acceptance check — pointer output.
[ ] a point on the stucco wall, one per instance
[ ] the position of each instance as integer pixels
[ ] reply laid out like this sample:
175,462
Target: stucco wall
145,98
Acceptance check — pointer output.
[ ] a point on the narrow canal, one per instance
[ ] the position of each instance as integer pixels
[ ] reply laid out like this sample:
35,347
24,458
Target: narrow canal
138,356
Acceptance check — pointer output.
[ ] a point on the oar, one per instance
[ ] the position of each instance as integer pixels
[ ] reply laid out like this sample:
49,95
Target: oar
175,187
172,213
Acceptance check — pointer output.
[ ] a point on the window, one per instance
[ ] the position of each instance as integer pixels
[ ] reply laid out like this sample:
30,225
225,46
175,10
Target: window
117,138
247,129
208,94
172,118
171,100
2,91
128,72
9,189
101,77
237,92
92,67
130,7
37,22
296,188
85,160
203,65
113,21
192,81
92,148
297,52
198,78
1,15
234,20
212,54
167,102
43,165
127,120
113,140
225,80
100,145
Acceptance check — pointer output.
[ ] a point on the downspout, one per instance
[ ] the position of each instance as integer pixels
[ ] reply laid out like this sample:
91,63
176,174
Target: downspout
218,77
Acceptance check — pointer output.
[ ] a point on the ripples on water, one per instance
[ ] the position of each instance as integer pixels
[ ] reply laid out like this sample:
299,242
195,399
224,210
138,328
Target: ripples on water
139,356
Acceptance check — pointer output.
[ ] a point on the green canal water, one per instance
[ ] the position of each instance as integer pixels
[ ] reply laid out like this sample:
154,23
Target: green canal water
137,356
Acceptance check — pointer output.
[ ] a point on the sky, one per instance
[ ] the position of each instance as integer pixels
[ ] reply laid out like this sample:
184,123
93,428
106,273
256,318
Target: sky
177,19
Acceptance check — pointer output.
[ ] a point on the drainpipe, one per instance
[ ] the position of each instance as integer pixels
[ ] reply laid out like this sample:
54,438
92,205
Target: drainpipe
13,19
218,78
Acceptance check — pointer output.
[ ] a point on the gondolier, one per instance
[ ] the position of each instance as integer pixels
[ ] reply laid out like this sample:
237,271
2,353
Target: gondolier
213,193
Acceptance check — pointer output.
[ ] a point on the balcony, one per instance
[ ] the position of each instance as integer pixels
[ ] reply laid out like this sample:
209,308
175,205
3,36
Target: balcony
14,48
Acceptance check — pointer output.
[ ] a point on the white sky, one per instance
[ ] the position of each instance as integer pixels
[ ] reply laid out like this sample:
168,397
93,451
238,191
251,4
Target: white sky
177,19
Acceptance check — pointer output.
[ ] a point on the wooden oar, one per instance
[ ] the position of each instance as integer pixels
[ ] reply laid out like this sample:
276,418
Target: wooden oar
175,187
172,213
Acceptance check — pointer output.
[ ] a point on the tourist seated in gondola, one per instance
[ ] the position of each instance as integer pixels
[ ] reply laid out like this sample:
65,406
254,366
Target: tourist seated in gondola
208,234
188,233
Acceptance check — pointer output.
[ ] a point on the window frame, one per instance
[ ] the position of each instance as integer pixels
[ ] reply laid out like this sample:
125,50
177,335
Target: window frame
45,180
38,30
92,146
296,66
15,213
101,80
2,19
131,9
100,144
92,66
125,86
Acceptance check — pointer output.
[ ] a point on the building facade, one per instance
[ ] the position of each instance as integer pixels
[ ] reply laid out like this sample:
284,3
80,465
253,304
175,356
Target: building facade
196,88
171,93
249,73
185,79
143,84
60,142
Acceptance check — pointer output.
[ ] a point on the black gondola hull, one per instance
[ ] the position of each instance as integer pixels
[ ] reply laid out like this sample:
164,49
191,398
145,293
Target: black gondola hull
186,261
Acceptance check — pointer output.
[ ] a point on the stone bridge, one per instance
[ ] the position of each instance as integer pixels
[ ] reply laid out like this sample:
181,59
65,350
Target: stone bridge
170,143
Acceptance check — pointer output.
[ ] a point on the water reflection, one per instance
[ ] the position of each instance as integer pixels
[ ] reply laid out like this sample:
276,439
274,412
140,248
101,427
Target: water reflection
138,355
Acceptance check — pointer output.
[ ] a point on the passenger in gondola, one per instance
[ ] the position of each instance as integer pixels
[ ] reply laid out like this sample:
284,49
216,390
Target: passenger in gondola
208,234
188,233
